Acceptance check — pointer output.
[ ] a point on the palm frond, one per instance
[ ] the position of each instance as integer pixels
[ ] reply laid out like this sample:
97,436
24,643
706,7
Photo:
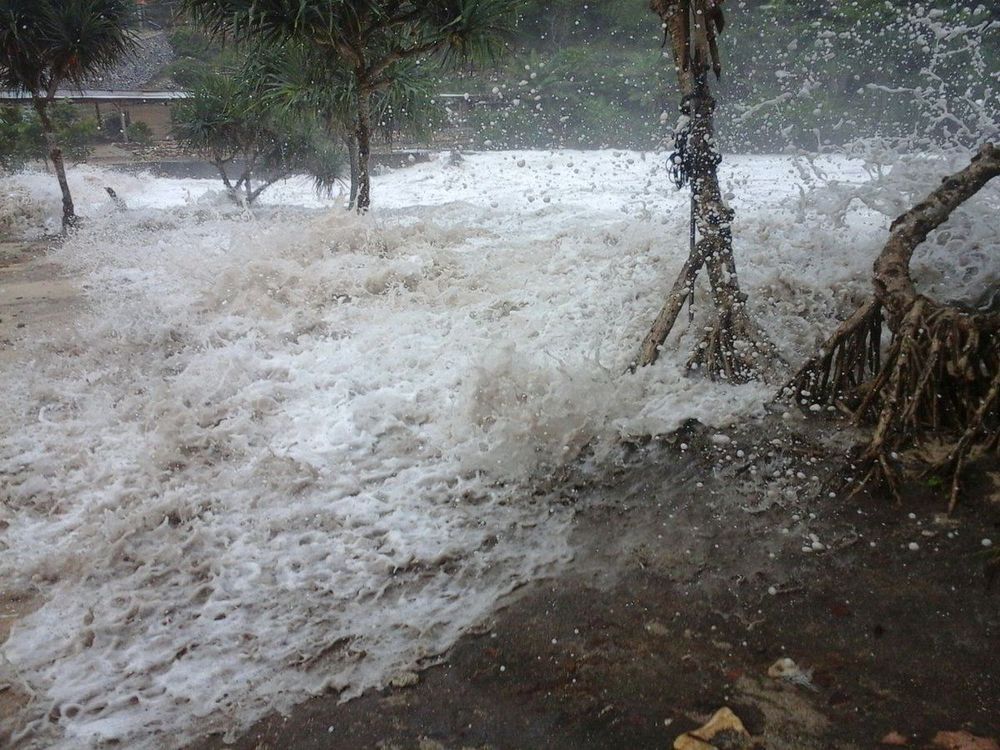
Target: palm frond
473,30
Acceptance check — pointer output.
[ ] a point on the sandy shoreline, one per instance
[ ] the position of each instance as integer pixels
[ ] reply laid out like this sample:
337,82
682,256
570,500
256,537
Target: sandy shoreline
678,602
36,295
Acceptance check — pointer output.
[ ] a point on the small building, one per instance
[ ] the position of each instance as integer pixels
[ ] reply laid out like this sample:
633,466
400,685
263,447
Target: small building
150,107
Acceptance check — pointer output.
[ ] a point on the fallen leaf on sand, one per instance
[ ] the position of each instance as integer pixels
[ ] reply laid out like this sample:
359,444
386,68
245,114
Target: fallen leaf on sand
724,720
687,742
788,670
405,680
963,741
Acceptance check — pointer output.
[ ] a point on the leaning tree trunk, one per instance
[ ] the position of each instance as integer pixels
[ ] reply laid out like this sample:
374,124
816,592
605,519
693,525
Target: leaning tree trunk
364,131
733,347
56,157
940,377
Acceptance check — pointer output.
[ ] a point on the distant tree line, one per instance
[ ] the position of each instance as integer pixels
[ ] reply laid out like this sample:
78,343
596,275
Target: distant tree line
800,73
339,74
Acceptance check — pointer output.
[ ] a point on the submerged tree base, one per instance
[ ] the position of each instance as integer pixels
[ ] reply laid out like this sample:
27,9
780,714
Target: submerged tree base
734,348
939,379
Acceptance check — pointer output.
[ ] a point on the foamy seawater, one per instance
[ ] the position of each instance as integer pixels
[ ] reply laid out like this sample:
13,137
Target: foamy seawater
290,450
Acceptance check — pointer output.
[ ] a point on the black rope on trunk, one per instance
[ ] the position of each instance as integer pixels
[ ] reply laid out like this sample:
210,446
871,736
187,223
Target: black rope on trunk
681,165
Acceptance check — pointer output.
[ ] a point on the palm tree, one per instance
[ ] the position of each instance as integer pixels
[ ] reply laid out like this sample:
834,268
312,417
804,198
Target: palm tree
45,44
372,38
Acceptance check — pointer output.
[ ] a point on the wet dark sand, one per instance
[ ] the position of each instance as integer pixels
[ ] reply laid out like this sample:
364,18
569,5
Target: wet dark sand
675,607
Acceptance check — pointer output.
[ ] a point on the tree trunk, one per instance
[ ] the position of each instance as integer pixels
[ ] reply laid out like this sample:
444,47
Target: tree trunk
893,284
56,157
220,165
351,141
713,218
733,347
250,164
364,129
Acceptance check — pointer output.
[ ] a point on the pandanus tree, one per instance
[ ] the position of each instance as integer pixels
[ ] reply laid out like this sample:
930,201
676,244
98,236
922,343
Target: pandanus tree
252,144
373,39
733,348
304,80
46,44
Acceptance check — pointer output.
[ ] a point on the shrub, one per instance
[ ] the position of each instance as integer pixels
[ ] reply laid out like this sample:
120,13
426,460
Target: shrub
22,139
139,132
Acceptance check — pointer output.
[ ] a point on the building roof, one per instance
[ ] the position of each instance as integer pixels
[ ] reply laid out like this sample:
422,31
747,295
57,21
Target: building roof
99,96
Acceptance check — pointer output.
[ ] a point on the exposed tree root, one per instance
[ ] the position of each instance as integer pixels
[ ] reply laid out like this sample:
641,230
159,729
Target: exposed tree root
681,293
977,428
939,377
733,348
846,360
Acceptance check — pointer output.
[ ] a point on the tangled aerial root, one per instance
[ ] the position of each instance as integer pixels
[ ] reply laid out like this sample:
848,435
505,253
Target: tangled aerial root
939,379
733,348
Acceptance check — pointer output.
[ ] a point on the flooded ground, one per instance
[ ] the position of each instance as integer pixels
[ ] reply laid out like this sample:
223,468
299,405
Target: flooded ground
679,600
252,457
36,293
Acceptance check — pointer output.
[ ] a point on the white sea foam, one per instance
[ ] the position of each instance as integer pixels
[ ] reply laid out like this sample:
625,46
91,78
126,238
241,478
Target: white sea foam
288,450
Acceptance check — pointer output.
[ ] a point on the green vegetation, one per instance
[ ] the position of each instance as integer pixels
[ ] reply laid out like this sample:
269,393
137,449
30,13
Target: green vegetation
197,55
190,43
804,74
22,139
837,71
373,39
305,80
271,87
139,132
252,143
799,74
574,97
